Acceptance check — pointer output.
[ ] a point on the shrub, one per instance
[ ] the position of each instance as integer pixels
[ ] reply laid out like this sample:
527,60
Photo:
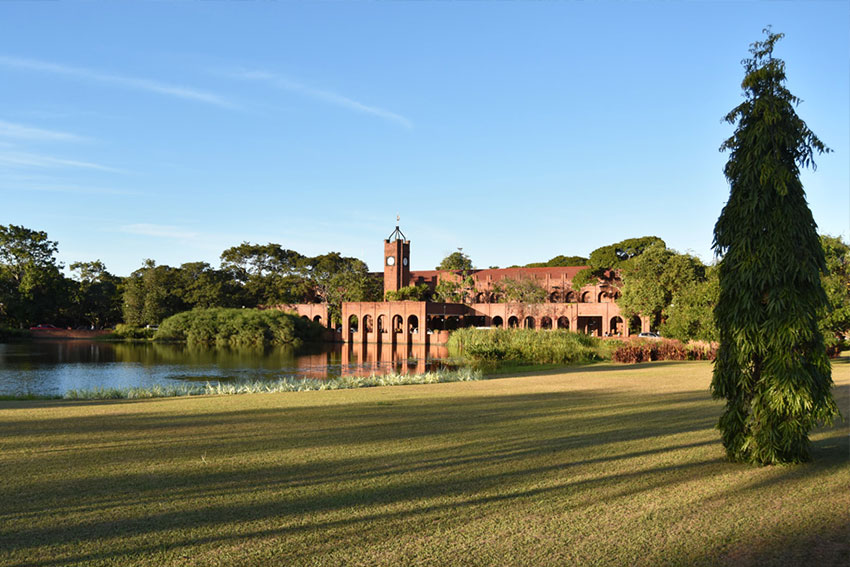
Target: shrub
132,332
641,350
527,346
238,328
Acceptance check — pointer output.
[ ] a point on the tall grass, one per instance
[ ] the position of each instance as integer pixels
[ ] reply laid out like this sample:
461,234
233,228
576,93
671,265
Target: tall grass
285,384
527,346
238,327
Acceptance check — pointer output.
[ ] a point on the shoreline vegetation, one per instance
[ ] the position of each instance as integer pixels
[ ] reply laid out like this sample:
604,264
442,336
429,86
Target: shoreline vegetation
476,354
284,384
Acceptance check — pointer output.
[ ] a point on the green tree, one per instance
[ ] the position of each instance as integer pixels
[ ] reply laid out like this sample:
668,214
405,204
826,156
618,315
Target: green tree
97,297
652,278
333,279
268,273
559,261
835,323
419,292
32,287
772,368
203,286
604,262
690,315
521,290
452,290
153,293
456,261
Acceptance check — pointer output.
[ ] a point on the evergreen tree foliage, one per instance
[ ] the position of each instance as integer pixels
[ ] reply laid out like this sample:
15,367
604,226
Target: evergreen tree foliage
772,368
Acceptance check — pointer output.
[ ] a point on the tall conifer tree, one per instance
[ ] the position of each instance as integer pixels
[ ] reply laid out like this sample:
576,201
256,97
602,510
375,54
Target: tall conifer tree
772,366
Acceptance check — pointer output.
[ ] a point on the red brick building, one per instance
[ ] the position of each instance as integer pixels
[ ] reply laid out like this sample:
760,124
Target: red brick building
592,309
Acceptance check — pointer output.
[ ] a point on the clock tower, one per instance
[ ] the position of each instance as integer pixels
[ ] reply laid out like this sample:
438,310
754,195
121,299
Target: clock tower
396,261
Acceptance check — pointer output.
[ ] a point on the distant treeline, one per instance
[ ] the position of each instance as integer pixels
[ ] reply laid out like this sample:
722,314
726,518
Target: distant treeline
34,290
677,291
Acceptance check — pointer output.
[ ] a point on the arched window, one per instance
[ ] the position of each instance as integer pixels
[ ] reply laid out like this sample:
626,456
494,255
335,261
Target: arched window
616,326
546,323
563,323
513,322
529,322
496,321
352,323
413,324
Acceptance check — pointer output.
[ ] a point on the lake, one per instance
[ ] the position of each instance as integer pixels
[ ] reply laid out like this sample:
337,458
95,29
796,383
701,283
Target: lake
47,367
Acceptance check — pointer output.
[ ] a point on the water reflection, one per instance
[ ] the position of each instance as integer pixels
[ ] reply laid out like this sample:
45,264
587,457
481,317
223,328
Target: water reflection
54,367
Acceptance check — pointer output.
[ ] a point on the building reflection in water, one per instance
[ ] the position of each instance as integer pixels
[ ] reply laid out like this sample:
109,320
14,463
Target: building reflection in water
365,359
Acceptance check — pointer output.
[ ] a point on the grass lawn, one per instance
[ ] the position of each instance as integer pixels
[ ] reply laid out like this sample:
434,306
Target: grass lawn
601,465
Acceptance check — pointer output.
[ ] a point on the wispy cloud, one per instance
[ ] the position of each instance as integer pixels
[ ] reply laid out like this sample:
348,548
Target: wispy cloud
69,189
159,230
23,159
23,132
136,83
329,97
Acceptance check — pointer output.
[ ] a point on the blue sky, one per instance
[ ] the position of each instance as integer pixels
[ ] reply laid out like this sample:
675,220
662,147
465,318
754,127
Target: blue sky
517,131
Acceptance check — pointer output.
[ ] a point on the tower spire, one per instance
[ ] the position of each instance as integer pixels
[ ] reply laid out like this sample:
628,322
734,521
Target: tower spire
397,234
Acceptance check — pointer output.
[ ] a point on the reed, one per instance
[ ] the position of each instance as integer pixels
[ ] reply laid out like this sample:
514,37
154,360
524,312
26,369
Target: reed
527,346
284,384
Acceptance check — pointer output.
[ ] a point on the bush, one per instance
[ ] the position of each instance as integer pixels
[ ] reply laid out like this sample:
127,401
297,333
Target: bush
7,333
132,332
640,350
238,328
527,346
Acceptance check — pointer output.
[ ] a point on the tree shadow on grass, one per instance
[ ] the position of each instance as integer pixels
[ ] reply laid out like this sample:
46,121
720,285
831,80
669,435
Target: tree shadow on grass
413,461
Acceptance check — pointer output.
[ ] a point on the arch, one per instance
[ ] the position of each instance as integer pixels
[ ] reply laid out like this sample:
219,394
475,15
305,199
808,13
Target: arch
479,297
382,323
353,324
606,297
398,323
305,317
496,321
570,297
586,297
513,322
413,324
367,324
495,298
546,323
616,326
317,319
563,323
555,297
529,322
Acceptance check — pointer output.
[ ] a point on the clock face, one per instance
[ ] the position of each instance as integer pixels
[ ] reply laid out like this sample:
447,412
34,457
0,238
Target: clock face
404,261
390,260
